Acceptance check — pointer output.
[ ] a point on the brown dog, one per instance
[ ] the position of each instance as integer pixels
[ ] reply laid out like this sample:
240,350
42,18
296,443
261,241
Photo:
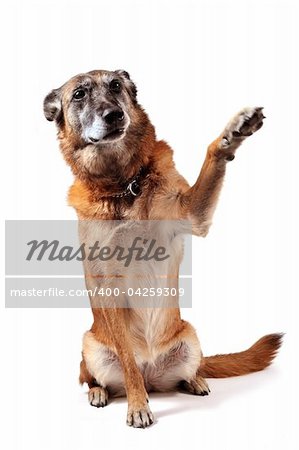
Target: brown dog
122,172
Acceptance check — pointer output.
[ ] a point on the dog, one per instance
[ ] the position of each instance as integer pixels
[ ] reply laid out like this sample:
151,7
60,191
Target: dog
122,172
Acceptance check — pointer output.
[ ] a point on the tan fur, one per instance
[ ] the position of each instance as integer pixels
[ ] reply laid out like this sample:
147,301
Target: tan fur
134,351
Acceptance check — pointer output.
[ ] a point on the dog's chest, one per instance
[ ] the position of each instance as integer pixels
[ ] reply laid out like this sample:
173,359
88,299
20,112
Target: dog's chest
146,326
142,252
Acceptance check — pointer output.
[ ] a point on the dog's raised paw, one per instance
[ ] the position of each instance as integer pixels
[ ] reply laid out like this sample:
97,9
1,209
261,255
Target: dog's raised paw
244,124
140,418
98,396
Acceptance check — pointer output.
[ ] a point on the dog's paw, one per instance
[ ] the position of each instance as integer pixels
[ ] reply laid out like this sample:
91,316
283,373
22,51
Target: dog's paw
98,396
197,386
244,124
140,418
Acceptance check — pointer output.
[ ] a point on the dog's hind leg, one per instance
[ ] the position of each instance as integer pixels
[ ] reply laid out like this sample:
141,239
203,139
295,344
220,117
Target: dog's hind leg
97,395
85,376
196,386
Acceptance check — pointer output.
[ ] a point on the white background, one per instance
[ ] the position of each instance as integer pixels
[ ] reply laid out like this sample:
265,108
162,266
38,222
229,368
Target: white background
195,63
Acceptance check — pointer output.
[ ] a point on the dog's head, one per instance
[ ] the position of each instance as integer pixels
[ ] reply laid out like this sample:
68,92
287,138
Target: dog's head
96,105
94,113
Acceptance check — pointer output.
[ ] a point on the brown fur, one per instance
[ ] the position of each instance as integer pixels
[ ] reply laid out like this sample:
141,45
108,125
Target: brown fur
103,171
256,358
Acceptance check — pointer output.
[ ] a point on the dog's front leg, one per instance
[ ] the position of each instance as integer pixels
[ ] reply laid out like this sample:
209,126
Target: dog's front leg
139,415
199,202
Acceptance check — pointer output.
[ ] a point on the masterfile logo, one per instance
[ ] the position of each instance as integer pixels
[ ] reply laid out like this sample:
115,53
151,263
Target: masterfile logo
113,263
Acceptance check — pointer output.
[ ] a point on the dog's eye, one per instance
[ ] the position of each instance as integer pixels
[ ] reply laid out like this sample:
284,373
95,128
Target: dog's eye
115,86
79,94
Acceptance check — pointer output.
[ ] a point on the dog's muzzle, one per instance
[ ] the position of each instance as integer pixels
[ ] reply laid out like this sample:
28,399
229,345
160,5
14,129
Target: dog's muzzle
107,127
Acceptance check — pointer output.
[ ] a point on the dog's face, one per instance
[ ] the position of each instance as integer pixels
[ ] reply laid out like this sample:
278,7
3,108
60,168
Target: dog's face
101,126
96,106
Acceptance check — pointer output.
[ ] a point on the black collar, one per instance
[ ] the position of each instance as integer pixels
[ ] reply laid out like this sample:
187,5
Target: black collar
133,188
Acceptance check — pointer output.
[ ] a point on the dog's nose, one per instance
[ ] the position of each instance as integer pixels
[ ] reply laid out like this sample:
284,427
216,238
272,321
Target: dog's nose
113,116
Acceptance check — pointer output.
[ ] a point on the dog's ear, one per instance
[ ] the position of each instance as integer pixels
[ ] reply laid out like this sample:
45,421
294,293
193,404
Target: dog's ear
131,87
53,106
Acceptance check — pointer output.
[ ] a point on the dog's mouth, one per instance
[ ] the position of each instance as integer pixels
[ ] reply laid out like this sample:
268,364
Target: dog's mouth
114,134
109,136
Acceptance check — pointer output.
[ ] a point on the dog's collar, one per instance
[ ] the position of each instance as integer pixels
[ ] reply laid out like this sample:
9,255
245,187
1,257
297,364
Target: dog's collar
133,188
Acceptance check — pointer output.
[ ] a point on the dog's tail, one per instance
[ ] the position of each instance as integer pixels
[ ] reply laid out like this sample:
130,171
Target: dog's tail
256,358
